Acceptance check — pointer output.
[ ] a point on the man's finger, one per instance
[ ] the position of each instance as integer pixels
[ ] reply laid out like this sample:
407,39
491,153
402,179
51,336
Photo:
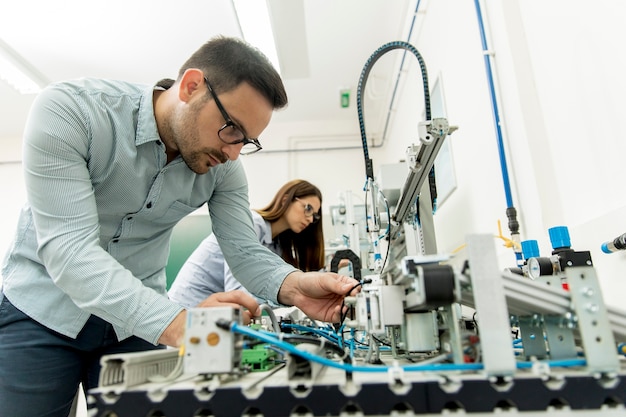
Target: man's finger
241,298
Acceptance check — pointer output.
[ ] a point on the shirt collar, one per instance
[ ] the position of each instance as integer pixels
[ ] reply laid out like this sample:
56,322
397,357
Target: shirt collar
266,235
146,122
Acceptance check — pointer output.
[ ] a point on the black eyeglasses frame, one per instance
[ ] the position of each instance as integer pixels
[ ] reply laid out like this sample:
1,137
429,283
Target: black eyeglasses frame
229,123
309,208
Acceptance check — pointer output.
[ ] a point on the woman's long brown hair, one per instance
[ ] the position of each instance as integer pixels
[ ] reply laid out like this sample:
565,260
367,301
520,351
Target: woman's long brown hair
304,250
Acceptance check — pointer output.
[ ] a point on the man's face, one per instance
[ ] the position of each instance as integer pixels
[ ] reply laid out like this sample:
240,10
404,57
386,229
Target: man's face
195,125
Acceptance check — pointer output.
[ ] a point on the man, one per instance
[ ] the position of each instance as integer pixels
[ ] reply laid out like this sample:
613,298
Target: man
110,168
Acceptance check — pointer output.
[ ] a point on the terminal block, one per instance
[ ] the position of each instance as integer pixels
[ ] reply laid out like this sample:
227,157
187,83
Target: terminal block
259,358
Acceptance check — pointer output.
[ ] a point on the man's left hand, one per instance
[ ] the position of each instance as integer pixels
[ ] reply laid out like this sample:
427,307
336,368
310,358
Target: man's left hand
318,294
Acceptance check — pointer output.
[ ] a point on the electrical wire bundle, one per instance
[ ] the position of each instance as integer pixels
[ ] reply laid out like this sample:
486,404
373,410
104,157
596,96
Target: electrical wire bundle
337,351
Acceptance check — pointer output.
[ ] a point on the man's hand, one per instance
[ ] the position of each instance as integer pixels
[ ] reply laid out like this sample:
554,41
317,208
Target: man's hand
174,333
318,294
236,299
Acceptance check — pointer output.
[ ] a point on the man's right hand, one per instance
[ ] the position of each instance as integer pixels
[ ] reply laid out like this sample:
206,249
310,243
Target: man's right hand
236,299
174,333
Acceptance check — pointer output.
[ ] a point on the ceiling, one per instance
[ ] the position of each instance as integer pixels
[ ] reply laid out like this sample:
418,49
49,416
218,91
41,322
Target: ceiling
322,45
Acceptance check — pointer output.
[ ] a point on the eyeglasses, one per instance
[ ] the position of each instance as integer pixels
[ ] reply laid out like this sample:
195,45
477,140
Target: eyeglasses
309,211
230,133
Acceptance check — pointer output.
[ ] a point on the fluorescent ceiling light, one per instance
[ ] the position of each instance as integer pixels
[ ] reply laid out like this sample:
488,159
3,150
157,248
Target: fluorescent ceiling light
256,27
18,72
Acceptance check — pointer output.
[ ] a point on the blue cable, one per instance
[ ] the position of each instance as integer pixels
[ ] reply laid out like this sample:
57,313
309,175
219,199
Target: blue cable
353,344
273,339
494,105
269,338
332,336
565,363
511,212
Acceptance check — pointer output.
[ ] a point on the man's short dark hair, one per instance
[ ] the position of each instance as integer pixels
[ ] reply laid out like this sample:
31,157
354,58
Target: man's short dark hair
227,62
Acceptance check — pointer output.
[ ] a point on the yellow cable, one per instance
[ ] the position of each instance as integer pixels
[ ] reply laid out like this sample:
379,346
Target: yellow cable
508,243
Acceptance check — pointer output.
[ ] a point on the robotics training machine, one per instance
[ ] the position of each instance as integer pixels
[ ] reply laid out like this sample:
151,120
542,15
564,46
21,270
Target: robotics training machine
427,334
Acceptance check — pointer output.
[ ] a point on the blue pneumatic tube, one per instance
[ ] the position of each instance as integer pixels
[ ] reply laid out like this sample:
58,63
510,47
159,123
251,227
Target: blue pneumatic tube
617,244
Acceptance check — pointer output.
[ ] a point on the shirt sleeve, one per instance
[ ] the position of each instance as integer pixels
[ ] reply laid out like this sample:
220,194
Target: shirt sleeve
230,282
61,196
257,268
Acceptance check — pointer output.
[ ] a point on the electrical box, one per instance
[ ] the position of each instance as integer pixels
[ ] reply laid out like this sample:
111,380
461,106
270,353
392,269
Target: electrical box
210,349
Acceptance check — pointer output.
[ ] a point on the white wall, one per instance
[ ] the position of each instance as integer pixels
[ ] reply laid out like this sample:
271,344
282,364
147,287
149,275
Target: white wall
559,69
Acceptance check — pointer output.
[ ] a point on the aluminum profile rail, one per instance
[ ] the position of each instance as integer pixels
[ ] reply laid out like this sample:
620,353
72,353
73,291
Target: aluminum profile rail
525,296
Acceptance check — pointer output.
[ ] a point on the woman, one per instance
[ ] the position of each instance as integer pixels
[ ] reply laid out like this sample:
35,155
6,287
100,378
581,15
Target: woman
290,226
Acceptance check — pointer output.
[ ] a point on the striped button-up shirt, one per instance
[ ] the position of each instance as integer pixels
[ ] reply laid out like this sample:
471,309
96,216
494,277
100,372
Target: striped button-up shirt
94,235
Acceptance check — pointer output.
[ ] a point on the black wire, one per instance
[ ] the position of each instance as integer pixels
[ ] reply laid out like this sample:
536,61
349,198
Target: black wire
343,303
250,342
475,322
300,338
380,342
367,225
388,230
358,342
369,171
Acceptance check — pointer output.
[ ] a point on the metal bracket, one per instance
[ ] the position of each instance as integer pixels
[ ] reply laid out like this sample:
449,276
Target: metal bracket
593,321
490,303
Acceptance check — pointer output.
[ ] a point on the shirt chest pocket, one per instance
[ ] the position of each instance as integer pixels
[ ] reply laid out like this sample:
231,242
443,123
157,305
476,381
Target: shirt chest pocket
169,216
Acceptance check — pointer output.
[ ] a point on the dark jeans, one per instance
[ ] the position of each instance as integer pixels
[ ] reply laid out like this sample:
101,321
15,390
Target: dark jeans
40,369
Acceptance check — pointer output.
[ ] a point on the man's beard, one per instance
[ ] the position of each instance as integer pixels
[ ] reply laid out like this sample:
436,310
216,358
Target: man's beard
185,134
